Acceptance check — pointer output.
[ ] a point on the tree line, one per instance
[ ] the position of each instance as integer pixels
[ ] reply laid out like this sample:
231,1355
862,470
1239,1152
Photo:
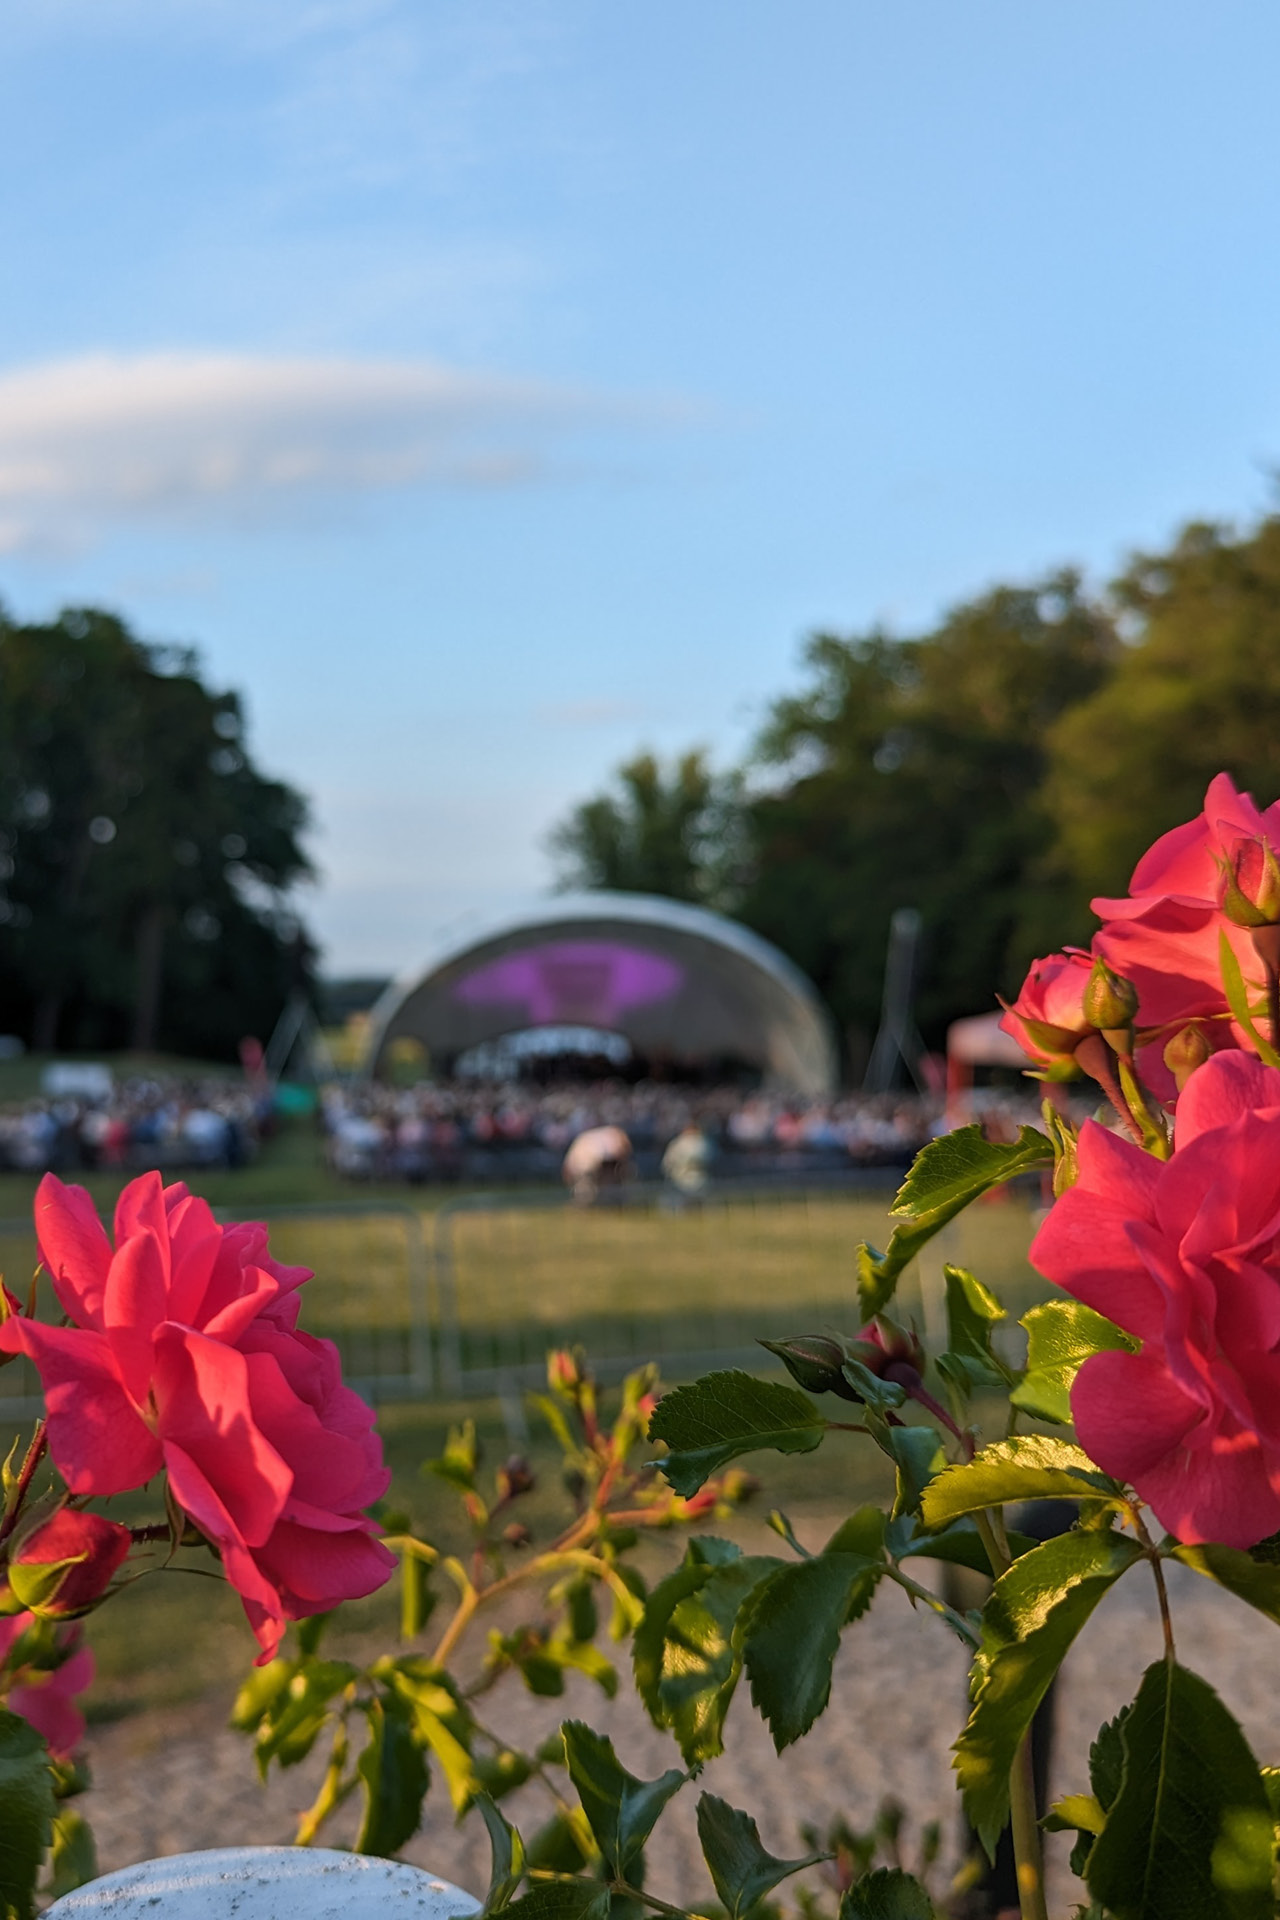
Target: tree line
993,772
144,859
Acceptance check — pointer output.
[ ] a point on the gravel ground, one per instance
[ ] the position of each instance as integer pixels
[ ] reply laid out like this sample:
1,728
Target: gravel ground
173,1782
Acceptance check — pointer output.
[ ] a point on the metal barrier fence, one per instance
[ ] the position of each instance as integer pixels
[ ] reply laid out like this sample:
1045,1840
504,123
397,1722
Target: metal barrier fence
466,1299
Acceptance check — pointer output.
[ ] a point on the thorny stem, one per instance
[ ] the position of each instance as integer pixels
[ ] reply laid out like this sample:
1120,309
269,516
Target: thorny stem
26,1473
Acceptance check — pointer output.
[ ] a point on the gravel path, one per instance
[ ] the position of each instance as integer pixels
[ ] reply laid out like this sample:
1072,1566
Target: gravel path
178,1781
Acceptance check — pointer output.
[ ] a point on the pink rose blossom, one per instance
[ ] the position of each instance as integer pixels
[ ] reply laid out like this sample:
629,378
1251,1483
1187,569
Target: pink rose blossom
1185,1256
184,1355
1165,935
45,1697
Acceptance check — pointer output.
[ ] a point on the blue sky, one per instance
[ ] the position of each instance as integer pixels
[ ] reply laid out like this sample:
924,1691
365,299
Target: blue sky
491,389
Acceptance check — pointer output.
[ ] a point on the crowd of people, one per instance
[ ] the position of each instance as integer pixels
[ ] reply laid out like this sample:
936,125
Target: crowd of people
513,1130
140,1122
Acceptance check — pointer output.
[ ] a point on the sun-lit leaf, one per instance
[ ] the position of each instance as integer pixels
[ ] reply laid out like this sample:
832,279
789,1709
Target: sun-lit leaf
946,1175
1030,1467
1061,1335
26,1813
740,1867
1031,1617
1237,993
562,1900
1255,1581
973,1312
73,1860
621,1809
1189,1836
722,1415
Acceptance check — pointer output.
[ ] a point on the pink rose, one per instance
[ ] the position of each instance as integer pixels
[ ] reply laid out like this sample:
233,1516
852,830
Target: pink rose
184,1355
1185,1256
44,1696
1047,1019
1165,935
67,1562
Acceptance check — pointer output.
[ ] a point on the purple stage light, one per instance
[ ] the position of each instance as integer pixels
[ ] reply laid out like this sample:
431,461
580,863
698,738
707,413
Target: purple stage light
586,982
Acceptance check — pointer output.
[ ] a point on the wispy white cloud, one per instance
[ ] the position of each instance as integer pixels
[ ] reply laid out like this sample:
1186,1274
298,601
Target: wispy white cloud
92,441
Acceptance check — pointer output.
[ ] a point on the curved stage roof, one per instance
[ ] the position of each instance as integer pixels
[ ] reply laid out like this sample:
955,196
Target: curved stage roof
679,982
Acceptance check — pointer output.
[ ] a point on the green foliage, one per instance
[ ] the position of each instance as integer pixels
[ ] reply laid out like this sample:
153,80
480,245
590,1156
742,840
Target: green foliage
1061,1335
149,855
973,1313
673,833
947,1175
741,1868
1189,1835
687,1649
1255,1581
1033,1614
73,1858
507,1856
887,1894
620,1809
27,1811
1029,1467
792,1633
394,1775
723,1415
563,1900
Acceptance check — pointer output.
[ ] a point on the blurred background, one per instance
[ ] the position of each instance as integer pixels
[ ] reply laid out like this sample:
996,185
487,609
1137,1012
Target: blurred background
811,469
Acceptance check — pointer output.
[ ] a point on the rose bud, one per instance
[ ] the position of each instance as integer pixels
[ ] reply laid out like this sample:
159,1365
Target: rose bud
889,1351
66,1563
1185,1052
814,1361
1110,1002
1249,894
1048,1019
564,1374
515,1478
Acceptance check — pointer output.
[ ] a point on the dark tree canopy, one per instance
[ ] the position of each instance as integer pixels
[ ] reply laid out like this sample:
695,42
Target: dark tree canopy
667,831
144,857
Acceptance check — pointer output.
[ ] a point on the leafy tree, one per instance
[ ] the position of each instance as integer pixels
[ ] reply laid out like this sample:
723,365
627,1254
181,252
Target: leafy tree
670,832
908,773
144,857
1196,690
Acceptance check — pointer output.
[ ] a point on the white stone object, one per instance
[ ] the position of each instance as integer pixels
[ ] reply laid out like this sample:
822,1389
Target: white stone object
266,1883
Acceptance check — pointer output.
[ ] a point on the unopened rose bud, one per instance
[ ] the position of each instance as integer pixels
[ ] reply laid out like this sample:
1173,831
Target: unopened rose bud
1047,1019
1185,1052
516,1534
564,1374
66,1563
814,1361
1250,891
515,1478
1110,1002
887,1350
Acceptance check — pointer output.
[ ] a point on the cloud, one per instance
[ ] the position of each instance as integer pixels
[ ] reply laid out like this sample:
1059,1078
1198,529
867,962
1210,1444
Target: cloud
105,438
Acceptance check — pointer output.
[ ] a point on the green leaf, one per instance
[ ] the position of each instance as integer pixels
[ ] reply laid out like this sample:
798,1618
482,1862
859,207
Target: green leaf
622,1810
260,1693
1032,1615
1237,993
1030,1467
1257,1582
919,1456
863,1532
972,1312
1061,1335
1075,1813
959,1545
887,1894
26,1813
74,1860
1189,1836
506,1851
946,1176
791,1634
457,1463
293,1722
743,1872
686,1654
563,1900
394,1775
722,1415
